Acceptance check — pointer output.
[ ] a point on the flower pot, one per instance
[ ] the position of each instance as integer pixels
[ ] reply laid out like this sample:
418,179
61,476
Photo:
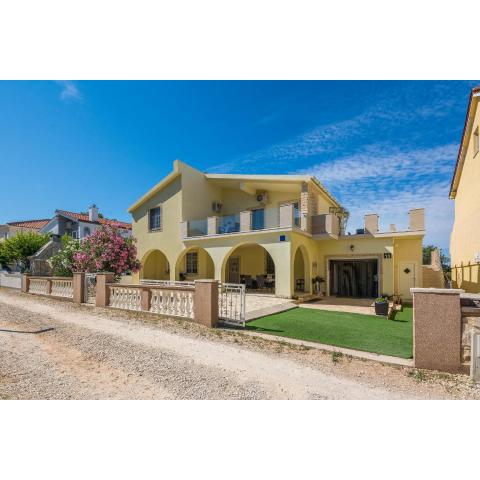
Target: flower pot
381,308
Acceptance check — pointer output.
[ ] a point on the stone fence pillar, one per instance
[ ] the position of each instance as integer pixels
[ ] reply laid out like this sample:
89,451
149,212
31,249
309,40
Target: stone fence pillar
437,325
205,304
78,287
102,297
25,282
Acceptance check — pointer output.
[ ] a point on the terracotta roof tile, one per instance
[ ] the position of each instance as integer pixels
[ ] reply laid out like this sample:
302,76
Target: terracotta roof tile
104,221
36,224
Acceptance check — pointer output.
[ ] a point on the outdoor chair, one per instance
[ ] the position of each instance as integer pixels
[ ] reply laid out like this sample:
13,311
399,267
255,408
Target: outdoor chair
260,281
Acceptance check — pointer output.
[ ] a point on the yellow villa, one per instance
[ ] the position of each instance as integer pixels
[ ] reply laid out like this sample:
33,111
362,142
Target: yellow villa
283,234
465,237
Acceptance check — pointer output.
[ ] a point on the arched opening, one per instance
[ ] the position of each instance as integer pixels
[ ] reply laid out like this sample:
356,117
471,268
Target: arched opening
253,266
155,266
301,272
193,264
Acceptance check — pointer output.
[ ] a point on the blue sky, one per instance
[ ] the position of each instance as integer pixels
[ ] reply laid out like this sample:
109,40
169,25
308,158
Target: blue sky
381,147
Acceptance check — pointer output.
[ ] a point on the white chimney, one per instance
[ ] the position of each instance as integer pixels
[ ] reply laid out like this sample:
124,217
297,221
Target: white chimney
93,213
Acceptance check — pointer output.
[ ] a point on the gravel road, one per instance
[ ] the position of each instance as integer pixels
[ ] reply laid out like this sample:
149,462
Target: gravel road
51,349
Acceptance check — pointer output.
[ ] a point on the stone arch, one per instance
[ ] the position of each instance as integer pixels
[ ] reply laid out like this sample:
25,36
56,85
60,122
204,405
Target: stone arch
155,266
250,263
302,281
205,266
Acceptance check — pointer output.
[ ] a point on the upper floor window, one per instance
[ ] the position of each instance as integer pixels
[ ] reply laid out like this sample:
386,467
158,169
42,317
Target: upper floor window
258,219
155,218
475,142
191,262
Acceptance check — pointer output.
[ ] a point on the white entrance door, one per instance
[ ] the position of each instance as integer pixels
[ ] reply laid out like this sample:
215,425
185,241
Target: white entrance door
234,270
406,276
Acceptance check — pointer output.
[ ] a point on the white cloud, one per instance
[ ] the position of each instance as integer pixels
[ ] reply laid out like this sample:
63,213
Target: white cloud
387,164
69,91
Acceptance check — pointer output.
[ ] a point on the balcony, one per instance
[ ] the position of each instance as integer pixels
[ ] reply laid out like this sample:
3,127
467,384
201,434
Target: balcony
260,219
326,224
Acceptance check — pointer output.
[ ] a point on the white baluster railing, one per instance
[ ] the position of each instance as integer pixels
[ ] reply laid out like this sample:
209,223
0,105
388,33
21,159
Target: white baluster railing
127,298
62,287
176,303
38,286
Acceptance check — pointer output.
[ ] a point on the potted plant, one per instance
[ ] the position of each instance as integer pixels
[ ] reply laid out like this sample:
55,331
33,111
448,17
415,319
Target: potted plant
381,305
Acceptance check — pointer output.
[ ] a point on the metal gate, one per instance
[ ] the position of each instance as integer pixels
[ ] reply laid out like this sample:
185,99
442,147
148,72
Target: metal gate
90,290
231,299
231,303
475,353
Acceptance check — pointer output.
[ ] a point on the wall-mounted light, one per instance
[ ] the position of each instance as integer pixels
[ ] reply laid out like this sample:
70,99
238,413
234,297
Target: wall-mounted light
352,248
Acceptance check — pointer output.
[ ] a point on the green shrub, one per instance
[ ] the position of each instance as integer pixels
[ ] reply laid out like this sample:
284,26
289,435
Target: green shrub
62,263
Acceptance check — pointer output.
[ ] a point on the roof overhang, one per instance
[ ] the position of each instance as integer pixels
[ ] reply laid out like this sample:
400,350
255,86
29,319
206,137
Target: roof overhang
251,183
462,150
159,186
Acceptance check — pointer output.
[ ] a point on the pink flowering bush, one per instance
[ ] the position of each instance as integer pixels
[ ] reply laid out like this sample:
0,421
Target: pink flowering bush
107,251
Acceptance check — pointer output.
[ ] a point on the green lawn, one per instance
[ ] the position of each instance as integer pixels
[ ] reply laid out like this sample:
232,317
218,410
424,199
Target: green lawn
369,333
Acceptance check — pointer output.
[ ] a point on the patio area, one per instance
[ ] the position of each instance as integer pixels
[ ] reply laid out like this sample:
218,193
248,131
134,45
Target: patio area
259,305
363,306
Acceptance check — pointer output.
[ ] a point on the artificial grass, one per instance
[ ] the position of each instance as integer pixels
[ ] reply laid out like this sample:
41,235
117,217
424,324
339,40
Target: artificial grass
369,333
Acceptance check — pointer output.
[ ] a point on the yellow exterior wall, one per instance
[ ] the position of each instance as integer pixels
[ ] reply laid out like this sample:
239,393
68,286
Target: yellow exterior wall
155,266
465,237
198,194
205,266
168,239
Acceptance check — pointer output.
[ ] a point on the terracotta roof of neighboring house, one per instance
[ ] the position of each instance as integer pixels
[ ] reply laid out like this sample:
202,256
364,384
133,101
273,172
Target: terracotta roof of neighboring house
461,156
36,224
104,221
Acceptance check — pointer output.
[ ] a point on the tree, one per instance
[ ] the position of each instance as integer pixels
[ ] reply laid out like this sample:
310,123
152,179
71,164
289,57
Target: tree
63,262
107,251
21,246
444,259
3,256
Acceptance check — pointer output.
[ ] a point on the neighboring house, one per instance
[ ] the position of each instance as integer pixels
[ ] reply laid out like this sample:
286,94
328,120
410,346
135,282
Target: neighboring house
270,231
10,229
465,237
77,225
80,225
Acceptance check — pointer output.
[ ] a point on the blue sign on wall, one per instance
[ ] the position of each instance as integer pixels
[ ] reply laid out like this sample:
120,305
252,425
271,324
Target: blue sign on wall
282,238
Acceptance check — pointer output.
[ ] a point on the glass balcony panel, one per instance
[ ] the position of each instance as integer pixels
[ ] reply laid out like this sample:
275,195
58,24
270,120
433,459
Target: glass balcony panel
197,228
229,223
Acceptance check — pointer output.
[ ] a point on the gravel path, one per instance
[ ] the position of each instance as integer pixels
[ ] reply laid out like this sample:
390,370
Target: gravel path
57,350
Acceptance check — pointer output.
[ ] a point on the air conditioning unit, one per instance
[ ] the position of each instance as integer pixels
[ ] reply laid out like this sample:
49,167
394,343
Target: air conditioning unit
262,197
217,207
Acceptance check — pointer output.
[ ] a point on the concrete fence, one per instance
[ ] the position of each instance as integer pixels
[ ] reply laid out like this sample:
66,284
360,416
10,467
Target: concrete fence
11,280
444,322
199,302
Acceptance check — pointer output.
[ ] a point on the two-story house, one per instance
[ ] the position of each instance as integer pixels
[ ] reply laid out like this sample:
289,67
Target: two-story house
464,190
276,233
